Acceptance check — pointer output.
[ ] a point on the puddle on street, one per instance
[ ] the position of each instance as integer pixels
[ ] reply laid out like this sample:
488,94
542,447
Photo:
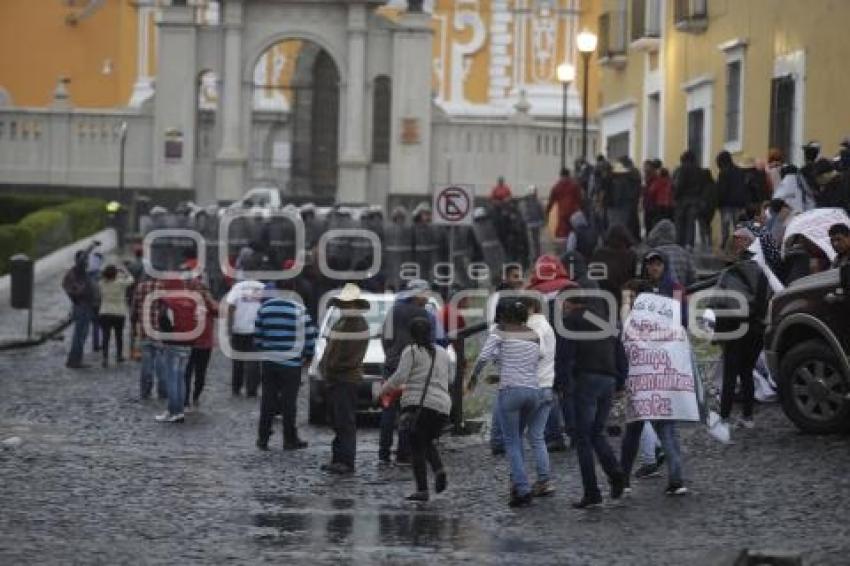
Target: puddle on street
342,524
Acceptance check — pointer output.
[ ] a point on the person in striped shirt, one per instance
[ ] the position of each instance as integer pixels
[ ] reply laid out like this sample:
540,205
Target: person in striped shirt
285,335
516,350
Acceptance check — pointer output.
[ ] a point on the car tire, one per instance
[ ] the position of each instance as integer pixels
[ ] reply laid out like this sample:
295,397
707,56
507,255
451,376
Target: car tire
813,389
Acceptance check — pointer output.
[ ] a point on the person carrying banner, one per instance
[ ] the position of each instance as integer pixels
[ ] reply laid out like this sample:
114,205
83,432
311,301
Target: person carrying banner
658,279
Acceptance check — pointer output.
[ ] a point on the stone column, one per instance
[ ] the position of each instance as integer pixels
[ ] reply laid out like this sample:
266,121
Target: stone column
59,132
410,148
354,161
176,98
143,88
230,161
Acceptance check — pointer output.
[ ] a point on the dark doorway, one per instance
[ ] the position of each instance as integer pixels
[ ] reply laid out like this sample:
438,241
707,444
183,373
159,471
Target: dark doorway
324,124
696,134
782,114
617,146
295,124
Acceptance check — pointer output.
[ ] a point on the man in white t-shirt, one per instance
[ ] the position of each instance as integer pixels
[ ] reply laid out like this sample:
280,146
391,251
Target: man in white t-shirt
244,300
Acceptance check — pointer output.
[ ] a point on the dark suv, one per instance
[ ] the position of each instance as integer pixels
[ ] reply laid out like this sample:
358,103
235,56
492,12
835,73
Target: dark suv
807,343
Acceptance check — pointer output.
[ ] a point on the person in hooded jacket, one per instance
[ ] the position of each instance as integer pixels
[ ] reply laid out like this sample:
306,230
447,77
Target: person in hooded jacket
593,368
623,196
732,194
746,277
83,294
663,238
584,237
549,279
688,192
576,266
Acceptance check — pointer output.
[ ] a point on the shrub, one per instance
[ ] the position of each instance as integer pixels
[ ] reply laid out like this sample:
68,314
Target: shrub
14,240
87,216
13,207
49,229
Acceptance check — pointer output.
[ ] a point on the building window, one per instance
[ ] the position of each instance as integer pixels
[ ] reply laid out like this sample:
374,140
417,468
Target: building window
690,15
646,19
381,104
733,101
612,34
782,114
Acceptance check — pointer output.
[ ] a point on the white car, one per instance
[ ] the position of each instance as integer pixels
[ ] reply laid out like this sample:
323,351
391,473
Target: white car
373,362
266,197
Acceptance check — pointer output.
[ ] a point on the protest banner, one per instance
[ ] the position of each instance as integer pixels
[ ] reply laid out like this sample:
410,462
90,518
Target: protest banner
814,225
661,384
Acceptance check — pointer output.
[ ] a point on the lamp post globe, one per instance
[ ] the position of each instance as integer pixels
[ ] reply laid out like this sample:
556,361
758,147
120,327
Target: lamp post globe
566,73
586,41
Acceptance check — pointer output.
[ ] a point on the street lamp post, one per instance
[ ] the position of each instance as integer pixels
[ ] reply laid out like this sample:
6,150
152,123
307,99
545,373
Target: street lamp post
121,162
566,75
122,212
586,43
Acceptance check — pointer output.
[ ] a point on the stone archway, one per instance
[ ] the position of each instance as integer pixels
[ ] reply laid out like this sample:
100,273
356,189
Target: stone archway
295,120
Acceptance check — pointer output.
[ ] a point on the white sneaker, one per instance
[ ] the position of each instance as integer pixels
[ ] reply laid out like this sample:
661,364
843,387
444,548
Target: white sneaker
169,418
188,409
746,423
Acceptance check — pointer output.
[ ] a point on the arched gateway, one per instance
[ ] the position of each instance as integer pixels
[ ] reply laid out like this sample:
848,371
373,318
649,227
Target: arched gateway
302,101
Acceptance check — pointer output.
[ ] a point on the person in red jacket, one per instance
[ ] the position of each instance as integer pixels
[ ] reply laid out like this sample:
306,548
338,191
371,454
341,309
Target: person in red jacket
658,196
501,192
566,194
199,358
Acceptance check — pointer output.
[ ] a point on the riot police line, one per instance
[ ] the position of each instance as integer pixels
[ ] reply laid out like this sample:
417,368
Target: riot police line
341,243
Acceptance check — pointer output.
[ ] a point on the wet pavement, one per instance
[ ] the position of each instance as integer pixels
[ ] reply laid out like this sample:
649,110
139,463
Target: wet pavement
95,480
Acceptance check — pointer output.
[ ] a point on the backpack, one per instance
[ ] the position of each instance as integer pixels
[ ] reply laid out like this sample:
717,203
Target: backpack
73,286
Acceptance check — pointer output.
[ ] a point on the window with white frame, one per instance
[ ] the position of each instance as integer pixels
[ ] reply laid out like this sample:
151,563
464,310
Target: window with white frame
733,131
733,101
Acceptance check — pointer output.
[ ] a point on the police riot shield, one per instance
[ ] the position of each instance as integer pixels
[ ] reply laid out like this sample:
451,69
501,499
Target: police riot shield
425,248
397,250
489,246
280,232
338,250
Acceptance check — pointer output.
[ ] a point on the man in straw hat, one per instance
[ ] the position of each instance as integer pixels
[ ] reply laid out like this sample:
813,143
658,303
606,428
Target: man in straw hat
342,369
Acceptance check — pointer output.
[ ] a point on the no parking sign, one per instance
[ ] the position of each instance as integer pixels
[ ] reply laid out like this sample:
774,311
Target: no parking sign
453,205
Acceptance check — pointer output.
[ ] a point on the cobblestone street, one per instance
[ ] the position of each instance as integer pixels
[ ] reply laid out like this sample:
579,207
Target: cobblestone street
96,480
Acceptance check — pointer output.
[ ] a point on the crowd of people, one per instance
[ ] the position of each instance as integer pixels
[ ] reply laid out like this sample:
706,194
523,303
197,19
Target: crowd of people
617,230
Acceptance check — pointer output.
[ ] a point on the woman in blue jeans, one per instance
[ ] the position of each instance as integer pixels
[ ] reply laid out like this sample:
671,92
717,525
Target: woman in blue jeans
516,350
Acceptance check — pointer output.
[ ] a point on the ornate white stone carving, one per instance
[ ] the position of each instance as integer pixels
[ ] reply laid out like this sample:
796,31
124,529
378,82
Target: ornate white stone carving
466,17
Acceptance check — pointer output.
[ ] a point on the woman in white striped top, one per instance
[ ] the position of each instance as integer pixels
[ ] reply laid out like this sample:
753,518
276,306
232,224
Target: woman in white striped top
515,348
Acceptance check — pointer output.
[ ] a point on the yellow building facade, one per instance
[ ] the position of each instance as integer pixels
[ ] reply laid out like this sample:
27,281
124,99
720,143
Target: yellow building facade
92,44
740,75
487,54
